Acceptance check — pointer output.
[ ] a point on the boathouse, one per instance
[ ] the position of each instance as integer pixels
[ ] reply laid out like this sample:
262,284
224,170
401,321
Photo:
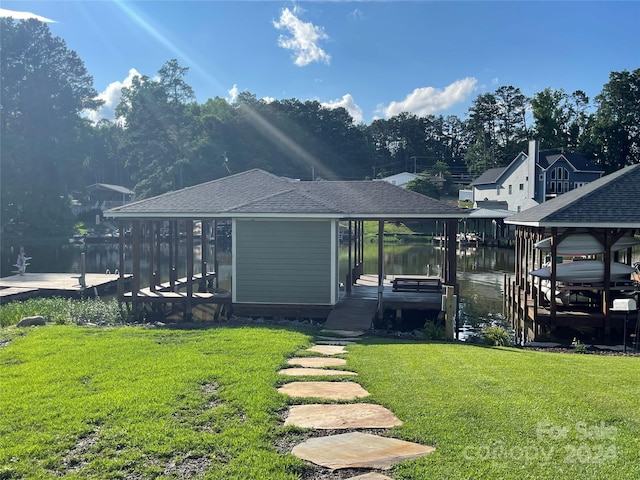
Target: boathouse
285,240
574,258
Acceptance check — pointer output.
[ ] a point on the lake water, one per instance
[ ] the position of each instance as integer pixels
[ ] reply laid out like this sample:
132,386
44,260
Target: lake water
480,271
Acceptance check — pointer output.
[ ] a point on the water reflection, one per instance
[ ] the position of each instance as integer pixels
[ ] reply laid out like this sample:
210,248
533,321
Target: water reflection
480,274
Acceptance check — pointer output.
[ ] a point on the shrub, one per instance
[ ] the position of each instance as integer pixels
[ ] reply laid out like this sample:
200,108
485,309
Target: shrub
52,309
434,331
62,311
95,311
579,346
496,335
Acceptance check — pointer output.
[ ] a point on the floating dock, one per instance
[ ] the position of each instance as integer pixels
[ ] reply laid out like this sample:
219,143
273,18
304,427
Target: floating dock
68,285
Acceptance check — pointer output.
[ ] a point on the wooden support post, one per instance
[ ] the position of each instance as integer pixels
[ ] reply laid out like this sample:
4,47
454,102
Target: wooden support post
361,260
380,262
121,263
172,265
152,272
552,283
135,281
159,252
204,228
189,301
215,254
449,311
606,293
349,280
451,259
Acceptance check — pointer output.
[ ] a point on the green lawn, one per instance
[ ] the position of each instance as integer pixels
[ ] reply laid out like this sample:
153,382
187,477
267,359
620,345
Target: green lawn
507,413
152,403
142,403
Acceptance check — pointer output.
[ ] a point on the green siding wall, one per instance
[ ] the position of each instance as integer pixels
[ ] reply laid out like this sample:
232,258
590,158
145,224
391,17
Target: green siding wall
283,262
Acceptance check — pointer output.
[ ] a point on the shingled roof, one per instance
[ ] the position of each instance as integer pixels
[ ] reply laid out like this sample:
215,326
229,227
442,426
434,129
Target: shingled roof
259,193
612,201
579,162
490,176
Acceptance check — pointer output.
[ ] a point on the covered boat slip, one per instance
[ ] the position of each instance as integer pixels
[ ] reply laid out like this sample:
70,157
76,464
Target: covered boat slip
574,257
285,239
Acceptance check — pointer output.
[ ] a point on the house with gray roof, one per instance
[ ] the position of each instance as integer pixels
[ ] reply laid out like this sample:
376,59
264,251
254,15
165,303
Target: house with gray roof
284,232
105,195
534,177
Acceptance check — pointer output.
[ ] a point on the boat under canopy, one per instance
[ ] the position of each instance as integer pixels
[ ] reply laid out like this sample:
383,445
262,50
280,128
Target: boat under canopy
585,271
585,244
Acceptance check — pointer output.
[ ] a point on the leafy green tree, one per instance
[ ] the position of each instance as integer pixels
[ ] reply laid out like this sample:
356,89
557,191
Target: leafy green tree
158,129
497,125
45,88
424,186
561,120
616,129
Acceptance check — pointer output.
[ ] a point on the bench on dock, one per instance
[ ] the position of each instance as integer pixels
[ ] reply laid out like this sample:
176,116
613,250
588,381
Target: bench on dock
416,284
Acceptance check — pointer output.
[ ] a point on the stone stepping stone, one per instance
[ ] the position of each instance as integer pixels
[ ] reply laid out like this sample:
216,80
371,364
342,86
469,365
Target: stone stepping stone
317,362
358,450
314,372
327,349
341,416
370,476
343,333
324,390
335,341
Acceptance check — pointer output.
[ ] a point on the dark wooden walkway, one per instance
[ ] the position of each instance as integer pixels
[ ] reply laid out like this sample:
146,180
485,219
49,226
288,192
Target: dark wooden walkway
357,310
352,313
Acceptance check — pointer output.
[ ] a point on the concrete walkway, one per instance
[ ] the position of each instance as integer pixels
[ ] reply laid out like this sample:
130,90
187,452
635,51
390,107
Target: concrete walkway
352,449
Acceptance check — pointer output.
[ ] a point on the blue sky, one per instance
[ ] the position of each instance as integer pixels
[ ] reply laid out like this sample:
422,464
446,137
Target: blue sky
376,59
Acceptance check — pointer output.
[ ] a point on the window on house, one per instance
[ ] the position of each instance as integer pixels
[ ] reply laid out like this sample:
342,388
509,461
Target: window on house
521,186
561,173
510,189
519,208
497,189
541,176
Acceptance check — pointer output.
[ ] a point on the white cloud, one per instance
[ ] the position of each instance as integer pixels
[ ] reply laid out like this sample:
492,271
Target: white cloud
111,96
430,100
233,93
303,40
356,14
24,15
349,104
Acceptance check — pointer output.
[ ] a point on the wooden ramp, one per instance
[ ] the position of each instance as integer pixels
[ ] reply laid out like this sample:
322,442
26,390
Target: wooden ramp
352,314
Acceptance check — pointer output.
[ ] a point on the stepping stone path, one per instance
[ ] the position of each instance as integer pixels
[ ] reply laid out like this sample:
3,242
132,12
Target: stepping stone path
317,362
347,450
326,390
341,416
306,372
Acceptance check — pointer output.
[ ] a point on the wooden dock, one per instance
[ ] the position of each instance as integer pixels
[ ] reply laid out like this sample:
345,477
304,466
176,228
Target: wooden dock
29,285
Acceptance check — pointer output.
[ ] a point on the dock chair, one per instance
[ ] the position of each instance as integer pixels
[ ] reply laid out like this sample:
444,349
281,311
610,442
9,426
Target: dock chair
21,265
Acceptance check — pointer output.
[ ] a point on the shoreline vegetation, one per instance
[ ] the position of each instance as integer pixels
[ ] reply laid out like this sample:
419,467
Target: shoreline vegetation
174,403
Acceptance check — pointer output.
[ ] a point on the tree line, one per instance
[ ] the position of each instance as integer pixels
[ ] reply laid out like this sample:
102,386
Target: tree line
162,139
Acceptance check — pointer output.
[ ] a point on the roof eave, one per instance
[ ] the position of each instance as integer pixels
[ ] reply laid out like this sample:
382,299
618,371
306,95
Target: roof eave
338,216
537,223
